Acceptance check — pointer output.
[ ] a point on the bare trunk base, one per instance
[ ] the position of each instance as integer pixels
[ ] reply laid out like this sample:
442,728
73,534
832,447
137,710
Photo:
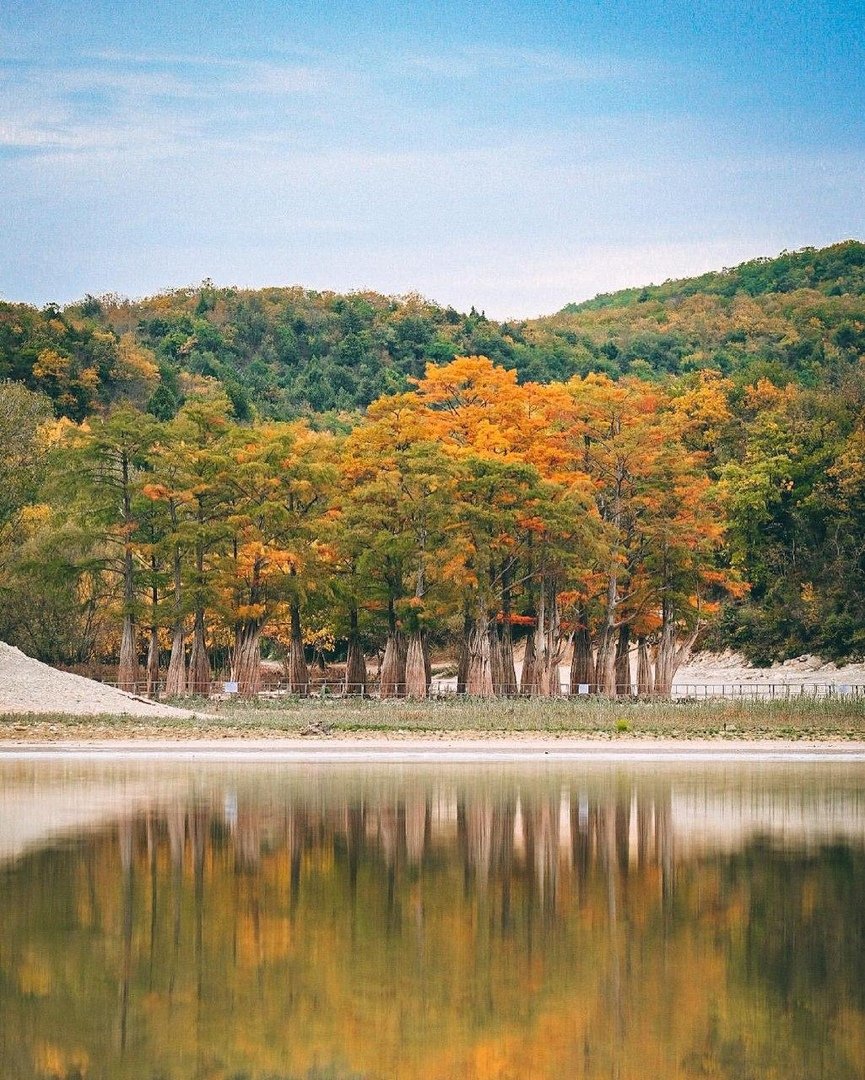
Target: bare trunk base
670,657
127,671
416,684
175,679
623,662
153,664
645,679
247,658
527,676
391,680
199,662
298,672
497,670
606,666
463,655
510,686
582,662
480,674
355,669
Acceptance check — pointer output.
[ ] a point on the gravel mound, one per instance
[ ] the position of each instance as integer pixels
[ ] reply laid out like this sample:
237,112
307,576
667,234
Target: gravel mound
29,686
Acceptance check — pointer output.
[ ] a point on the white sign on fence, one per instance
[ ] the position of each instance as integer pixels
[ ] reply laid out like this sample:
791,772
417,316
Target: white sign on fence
583,688
229,687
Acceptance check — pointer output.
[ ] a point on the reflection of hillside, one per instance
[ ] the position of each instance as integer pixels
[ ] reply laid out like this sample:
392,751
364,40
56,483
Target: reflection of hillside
427,926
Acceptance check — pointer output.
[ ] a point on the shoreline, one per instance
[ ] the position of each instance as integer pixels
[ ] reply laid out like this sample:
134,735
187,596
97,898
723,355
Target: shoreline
468,747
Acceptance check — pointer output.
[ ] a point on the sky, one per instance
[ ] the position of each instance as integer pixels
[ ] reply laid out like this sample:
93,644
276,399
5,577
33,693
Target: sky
510,156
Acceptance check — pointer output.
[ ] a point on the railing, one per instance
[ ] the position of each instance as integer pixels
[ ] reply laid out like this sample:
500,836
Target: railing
766,691
443,689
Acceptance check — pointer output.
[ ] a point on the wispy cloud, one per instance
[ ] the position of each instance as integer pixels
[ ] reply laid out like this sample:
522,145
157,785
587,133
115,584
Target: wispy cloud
113,102
510,170
546,66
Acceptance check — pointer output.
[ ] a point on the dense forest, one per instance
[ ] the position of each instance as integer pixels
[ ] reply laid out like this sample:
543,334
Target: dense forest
285,352
221,468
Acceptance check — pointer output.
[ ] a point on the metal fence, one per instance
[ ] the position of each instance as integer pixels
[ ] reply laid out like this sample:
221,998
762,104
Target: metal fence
444,689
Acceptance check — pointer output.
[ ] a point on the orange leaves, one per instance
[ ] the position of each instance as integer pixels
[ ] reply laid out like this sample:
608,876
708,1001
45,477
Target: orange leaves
249,612
50,364
604,478
766,395
516,620
467,381
704,407
157,492
471,403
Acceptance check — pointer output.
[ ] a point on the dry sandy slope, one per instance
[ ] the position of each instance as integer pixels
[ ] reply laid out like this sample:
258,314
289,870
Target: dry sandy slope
28,686
730,669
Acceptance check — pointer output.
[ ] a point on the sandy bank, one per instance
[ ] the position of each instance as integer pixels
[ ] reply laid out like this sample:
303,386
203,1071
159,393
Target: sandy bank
464,747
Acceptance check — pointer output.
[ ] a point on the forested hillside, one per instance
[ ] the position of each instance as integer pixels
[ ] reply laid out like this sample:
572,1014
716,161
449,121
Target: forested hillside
228,467
285,352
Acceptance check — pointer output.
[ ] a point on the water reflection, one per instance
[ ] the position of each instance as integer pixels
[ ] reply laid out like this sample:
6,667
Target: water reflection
262,922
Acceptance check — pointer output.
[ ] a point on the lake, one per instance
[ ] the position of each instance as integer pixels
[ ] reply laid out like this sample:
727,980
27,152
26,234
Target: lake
243,920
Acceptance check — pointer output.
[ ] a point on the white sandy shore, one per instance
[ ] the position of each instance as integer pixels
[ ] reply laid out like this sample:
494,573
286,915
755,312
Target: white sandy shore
443,749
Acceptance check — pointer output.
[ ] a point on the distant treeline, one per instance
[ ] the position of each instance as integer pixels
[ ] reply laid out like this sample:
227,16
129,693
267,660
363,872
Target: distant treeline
285,352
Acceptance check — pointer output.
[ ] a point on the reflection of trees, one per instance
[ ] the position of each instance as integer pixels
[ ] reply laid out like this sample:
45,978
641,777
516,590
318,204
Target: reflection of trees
401,933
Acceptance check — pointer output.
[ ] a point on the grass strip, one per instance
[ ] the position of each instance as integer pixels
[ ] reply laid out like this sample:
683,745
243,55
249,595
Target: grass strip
807,718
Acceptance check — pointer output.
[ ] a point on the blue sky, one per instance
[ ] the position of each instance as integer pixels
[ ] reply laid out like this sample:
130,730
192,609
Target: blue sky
509,155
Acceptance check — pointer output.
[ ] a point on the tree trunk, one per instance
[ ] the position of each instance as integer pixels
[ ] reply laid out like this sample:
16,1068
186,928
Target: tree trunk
539,680
645,681
623,661
153,637
497,670
153,663
175,679
298,672
247,657
392,674
463,653
582,662
510,686
606,663
355,662
127,671
547,642
416,685
200,675
670,655
199,662
527,675
480,677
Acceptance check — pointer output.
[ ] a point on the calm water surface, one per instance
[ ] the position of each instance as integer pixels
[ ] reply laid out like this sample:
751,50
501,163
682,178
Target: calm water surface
170,921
